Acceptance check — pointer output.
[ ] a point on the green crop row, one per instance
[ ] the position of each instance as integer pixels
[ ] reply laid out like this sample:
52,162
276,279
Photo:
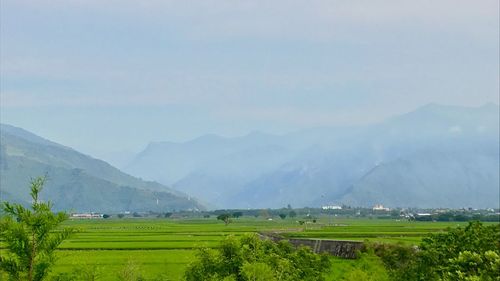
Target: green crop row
165,246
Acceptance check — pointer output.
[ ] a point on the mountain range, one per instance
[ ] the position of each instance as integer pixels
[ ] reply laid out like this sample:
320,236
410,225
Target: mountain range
435,156
77,182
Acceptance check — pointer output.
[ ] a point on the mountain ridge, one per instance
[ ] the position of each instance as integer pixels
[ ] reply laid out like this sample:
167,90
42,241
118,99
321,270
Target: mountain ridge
321,164
24,155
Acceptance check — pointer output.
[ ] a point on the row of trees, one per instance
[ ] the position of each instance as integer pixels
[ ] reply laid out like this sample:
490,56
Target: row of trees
226,217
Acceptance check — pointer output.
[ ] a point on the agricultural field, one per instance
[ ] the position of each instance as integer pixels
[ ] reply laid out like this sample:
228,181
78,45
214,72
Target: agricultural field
375,230
167,246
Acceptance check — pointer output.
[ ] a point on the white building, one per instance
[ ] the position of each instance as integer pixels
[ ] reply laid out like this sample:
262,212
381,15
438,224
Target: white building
87,216
332,207
380,207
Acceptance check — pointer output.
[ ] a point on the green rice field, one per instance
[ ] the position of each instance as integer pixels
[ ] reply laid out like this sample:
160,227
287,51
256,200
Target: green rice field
167,246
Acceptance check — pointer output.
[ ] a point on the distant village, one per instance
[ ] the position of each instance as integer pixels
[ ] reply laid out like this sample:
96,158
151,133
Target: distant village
377,211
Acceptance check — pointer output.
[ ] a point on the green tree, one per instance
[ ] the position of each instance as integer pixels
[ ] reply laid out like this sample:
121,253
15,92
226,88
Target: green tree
226,218
264,213
31,235
282,216
237,214
257,271
437,251
469,253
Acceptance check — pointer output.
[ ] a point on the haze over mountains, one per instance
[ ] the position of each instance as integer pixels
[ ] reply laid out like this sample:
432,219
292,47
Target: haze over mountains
435,156
76,182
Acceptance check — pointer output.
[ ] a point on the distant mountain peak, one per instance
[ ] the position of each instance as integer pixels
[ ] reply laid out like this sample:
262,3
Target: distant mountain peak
430,147
207,138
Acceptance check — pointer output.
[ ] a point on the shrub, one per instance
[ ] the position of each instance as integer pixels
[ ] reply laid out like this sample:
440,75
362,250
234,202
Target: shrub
250,258
470,253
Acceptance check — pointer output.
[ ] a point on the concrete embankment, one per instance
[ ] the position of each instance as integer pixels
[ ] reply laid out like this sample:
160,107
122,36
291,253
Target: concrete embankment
338,248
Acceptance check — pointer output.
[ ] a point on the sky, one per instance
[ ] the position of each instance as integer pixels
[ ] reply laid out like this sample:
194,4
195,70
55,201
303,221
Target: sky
108,77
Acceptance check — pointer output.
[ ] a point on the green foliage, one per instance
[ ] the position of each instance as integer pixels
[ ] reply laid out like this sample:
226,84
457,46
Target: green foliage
469,266
250,258
282,216
368,268
226,218
438,251
257,271
470,253
31,236
237,214
397,258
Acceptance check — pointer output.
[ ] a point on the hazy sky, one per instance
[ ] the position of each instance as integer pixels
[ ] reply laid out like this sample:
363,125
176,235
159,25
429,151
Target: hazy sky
104,76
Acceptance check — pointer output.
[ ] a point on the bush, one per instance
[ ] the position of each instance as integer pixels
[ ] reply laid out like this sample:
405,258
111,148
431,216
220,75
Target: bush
470,253
368,268
250,258
440,254
397,258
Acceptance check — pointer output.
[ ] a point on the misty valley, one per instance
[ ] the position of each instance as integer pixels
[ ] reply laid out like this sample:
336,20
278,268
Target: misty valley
434,157
373,202
222,140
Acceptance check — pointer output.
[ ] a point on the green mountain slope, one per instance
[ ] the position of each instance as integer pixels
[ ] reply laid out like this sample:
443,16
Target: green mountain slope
76,181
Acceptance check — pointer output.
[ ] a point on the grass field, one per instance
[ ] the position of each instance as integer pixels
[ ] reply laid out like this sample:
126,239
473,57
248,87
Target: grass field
166,246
